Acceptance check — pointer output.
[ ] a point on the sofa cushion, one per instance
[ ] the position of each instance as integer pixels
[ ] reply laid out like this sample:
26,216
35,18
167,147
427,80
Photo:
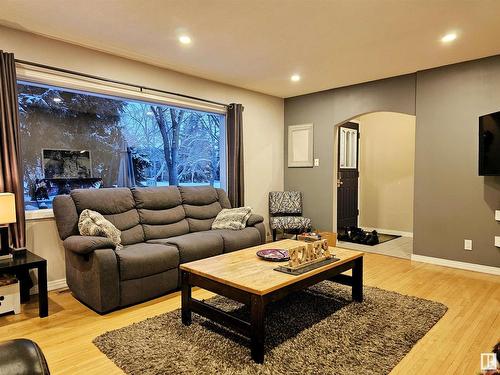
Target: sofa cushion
254,219
145,259
161,212
116,205
194,246
223,199
105,201
157,198
92,223
66,216
198,195
166,230
232,218
201,204
239,239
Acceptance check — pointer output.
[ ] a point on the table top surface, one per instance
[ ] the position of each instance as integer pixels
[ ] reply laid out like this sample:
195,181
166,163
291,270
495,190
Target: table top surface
244,270
26,260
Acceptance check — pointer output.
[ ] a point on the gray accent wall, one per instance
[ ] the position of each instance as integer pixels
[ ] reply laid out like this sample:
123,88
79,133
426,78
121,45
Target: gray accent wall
452,202
325,110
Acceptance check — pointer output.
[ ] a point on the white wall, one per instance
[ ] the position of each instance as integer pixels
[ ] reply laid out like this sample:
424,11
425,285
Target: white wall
386,171
262,120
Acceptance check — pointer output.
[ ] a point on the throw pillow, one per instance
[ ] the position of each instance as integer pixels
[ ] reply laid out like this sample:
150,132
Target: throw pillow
92,223
232,218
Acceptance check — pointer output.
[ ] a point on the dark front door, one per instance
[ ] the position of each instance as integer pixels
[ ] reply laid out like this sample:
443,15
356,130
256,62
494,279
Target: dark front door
347,175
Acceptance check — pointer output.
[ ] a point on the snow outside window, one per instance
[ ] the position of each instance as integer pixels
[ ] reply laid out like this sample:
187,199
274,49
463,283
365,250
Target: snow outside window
73,139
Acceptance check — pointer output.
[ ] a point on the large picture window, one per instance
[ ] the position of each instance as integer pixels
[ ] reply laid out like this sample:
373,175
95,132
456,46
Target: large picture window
73,139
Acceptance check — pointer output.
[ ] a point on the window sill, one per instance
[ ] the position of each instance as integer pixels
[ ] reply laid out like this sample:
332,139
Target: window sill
39,214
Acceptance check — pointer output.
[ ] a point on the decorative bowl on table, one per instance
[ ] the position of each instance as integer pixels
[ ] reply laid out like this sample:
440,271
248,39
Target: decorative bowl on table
274,255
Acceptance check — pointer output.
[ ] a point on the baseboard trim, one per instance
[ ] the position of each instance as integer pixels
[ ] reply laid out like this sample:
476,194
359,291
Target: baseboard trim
51,285
456,264
390,231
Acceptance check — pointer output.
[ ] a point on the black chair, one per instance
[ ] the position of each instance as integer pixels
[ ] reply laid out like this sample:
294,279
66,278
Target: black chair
22,357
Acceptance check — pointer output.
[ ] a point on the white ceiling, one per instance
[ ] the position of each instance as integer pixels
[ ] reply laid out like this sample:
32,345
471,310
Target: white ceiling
258,44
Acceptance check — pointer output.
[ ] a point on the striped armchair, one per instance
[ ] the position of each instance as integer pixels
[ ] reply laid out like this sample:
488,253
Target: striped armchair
285,213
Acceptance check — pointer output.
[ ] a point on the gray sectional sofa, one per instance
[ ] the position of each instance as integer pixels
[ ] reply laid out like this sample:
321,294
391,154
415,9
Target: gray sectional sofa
161,227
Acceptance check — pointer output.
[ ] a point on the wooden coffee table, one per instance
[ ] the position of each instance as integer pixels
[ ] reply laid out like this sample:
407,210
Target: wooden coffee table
245,278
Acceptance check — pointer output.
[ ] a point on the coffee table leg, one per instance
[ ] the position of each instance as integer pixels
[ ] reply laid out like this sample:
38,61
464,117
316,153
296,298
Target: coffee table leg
43,301
357,280
258,330
185,298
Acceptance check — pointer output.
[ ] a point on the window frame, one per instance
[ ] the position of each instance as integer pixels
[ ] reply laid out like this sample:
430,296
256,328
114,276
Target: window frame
34,75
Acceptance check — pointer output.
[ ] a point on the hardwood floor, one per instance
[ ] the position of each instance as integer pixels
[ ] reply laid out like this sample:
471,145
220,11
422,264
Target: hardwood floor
401,247
453,346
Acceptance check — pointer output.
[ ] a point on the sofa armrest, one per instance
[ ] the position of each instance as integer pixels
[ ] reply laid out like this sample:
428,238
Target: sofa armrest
86,244
94,278
254,219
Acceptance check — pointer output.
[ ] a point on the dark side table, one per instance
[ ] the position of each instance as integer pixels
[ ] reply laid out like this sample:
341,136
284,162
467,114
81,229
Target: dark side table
20,266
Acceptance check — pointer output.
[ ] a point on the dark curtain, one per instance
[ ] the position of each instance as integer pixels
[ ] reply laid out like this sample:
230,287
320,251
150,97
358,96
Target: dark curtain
10,152
235,182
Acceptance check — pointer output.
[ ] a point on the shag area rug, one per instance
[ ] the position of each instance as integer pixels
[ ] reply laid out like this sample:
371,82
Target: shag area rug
316,331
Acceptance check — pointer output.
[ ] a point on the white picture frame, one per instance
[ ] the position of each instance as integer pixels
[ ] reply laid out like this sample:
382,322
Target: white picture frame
300,146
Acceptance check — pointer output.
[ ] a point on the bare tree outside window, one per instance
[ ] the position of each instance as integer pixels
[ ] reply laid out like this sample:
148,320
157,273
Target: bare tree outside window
168,145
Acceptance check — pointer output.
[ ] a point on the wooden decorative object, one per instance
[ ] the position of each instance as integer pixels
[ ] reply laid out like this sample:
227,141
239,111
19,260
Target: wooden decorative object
331,237
307,254
308,237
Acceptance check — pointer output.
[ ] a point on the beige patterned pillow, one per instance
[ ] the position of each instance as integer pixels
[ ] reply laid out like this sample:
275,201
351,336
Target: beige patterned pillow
92,223
232,218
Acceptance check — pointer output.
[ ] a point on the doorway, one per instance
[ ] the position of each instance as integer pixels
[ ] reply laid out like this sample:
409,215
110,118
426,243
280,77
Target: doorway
374,175
347,175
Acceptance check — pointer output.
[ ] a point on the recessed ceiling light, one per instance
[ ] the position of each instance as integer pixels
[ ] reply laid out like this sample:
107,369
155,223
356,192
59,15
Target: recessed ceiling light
57,100
185,39
295,78
450,37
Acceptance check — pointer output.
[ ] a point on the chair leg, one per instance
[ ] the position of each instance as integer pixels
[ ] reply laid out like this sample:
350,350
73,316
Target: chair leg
274,235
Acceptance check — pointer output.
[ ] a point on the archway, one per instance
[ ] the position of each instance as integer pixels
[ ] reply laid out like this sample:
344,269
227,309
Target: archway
382,192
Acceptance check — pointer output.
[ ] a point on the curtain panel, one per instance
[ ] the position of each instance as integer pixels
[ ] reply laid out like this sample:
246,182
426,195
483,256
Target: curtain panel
235,180
11,179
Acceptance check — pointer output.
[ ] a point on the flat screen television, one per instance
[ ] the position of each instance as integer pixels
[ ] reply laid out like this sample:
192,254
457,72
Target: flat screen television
489,145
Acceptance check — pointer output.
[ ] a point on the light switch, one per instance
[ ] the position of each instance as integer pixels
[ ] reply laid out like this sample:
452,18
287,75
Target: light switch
497,215
316,162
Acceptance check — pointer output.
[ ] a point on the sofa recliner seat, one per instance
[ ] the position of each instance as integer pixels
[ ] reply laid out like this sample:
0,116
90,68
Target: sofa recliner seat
161,227
134,265
194,246
236,240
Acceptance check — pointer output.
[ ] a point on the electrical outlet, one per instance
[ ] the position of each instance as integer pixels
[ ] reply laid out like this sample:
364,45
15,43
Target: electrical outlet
467,244
497,241
497,215
316,162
